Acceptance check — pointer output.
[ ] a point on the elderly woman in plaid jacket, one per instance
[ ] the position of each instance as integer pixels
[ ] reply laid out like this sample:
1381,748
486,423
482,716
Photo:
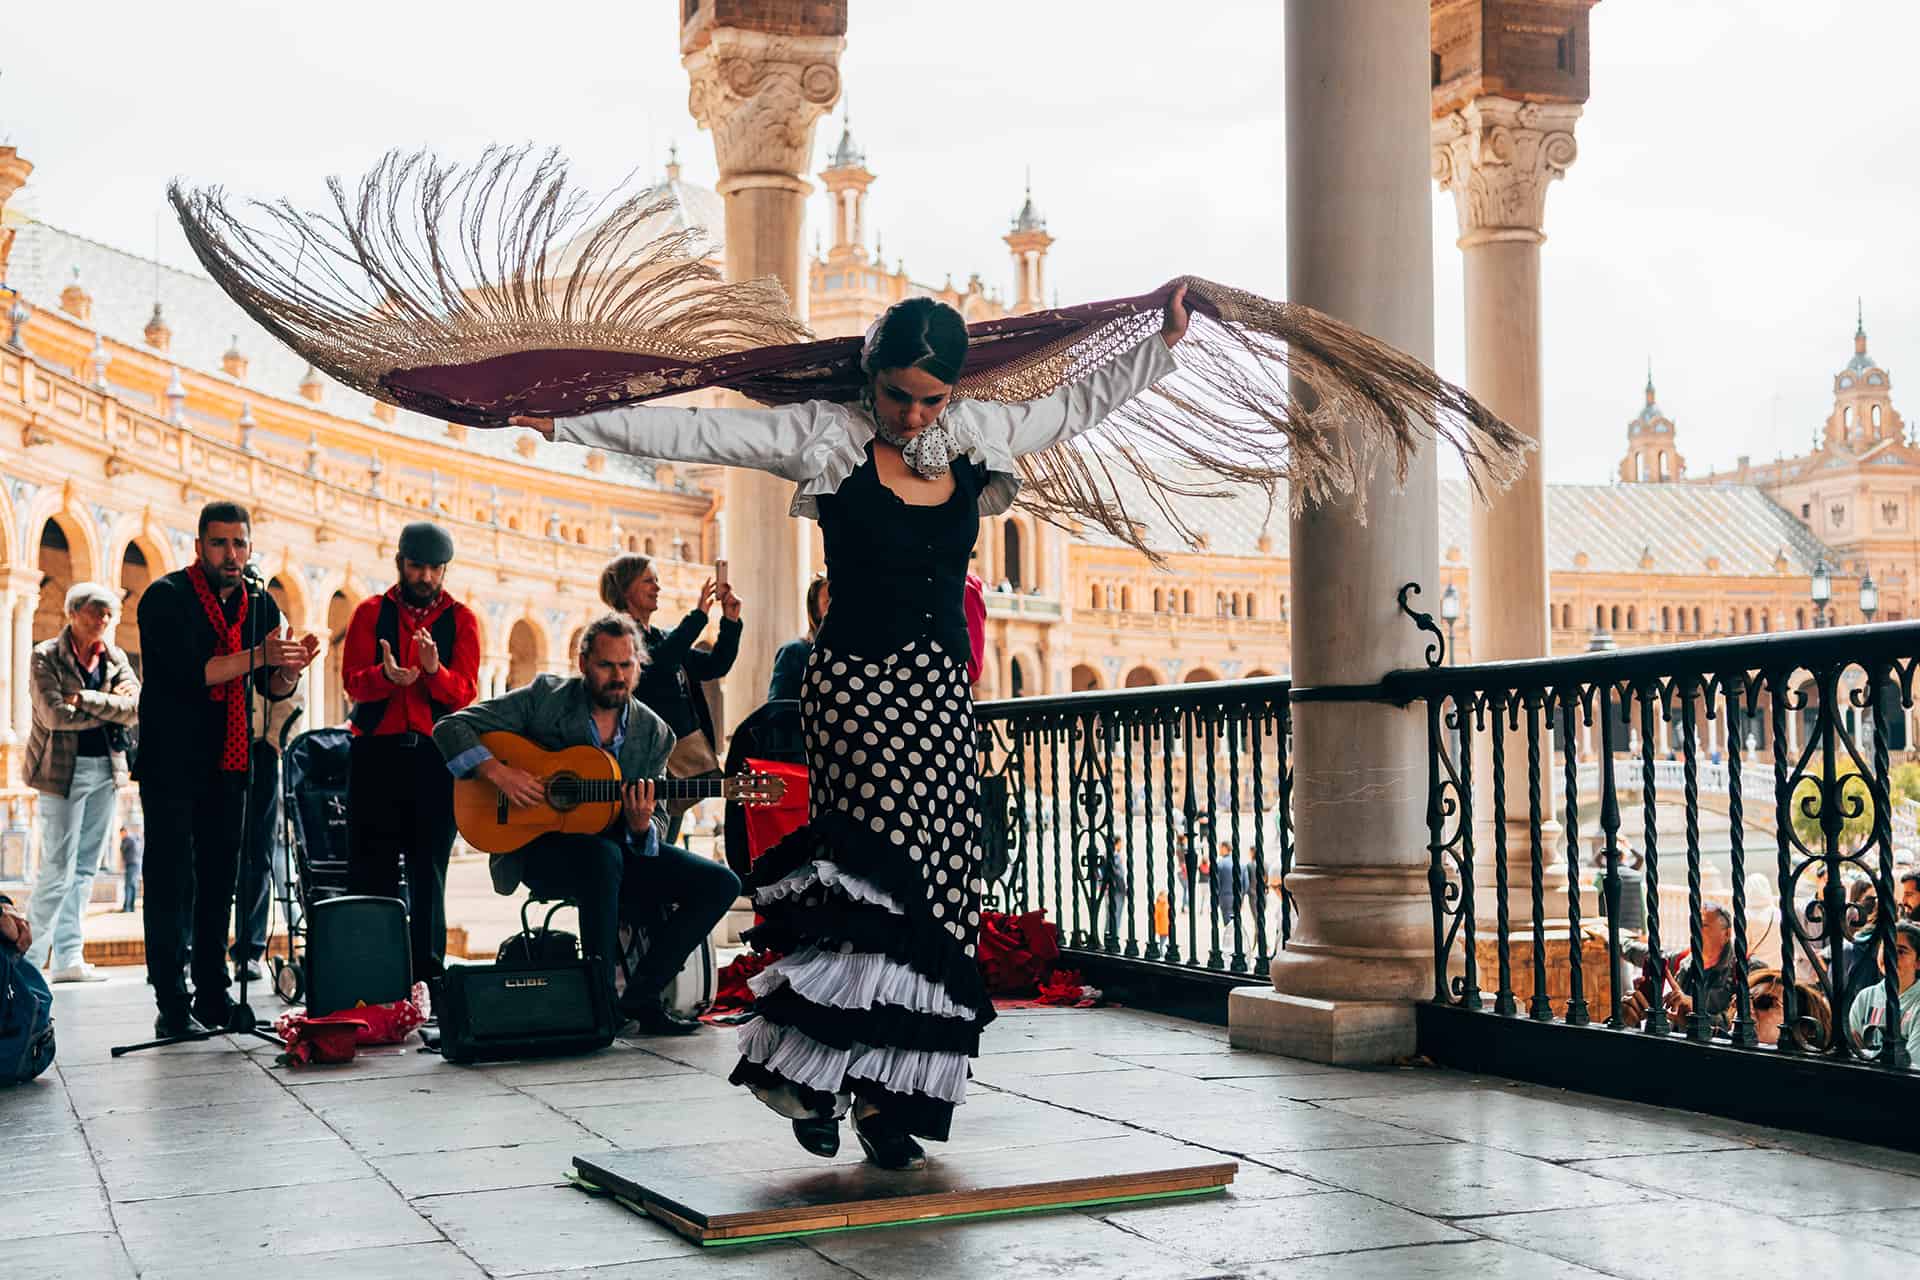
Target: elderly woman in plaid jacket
84,696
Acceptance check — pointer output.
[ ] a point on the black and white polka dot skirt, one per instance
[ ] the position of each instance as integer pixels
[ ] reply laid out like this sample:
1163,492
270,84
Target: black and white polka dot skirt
875,903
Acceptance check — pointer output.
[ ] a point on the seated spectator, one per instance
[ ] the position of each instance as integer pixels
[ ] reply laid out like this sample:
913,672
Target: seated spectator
1707,986
1813,1018
1867,1016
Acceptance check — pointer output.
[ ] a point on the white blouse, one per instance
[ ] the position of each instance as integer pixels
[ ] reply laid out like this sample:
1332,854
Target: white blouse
818,443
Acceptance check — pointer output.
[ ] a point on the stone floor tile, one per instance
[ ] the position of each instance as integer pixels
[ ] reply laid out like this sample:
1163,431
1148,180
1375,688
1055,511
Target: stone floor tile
373,1062
1380,1082
1896,1228
1781,1182
1459,1179
449,1090
1479,1259
1143,1095
46,1161
687,1124
106,1094
400,1126
1309,1128
242,1166
97,1256
183,1232
1230,1233
1549,1129
1260,1182
1011,1068
211,1126
1229,1064
397,1262
634,1091
1695,1240
534,1229
621,1061
716,1049
67,1211
786,1260
160,1064
1066,1245
527,1164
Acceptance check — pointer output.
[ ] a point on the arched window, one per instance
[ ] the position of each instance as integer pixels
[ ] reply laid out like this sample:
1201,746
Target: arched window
1639,466
646,546
1846,417
1666,465
1159,601
1249,604
1599,617
1800,619
1236,604
1696,619
1186,602
1566,617
1094,603
1614,616
1749,622
1766,621
1126,599
1876,420
1017,678
1010,557
1633,618
1666,617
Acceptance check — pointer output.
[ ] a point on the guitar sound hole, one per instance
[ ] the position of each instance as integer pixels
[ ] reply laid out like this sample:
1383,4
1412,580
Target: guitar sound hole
563,791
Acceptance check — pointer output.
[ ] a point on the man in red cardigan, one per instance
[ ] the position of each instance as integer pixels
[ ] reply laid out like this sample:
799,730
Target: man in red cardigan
412,656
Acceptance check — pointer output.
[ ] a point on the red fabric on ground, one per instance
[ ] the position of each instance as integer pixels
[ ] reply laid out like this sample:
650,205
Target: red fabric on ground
731,992
1016,952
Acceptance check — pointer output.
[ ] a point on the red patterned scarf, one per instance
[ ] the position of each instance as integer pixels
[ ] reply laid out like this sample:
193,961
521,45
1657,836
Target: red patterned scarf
226,640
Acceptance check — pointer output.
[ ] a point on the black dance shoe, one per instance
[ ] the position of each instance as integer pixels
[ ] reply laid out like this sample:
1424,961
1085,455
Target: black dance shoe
887,1146
819,1135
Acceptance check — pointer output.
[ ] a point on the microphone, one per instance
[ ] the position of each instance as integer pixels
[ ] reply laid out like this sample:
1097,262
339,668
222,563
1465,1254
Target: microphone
251,572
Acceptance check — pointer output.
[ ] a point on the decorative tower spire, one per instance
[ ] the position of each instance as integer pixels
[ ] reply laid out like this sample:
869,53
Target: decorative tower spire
75,300
157,333
673,162
1028,242
234,362
311,388
847,179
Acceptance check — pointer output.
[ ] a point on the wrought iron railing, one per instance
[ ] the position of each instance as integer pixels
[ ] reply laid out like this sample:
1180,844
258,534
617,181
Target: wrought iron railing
1811,966
1150,824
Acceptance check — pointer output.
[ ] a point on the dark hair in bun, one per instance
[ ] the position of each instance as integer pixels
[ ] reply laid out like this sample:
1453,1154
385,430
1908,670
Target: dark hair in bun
920,333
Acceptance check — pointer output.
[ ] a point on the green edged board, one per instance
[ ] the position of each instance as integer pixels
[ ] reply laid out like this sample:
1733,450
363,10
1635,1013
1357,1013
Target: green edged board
685,1189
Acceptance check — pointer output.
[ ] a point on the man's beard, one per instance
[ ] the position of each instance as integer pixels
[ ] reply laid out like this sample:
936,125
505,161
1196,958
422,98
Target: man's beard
609,697
220,575
420,594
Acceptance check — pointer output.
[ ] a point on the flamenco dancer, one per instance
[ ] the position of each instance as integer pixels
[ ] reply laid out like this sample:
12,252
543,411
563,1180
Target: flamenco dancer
897,444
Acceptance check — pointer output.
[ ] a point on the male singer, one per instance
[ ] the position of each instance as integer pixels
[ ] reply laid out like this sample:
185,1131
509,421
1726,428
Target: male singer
412,656
203,629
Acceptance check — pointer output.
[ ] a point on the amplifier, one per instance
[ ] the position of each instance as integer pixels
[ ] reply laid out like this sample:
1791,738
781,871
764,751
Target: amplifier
489,1012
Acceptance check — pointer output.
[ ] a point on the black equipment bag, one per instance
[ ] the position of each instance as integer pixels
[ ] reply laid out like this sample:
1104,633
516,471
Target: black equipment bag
542,948
489,1012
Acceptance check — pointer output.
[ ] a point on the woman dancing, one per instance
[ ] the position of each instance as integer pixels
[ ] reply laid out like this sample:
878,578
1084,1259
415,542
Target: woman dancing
878,1003
497,294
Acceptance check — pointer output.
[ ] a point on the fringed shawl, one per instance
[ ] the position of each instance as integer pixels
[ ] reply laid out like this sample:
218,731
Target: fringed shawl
480,293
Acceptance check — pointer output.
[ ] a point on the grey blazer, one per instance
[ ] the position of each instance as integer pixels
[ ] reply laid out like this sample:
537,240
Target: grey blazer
554,713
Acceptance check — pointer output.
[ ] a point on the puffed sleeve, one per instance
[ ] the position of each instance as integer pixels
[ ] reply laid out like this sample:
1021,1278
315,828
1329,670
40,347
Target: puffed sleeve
1029,426
791,441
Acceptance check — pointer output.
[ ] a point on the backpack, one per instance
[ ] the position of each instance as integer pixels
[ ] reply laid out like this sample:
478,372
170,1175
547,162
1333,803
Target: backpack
26,1020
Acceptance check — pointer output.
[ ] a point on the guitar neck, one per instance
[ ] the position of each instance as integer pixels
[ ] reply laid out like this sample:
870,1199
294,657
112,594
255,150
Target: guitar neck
607,790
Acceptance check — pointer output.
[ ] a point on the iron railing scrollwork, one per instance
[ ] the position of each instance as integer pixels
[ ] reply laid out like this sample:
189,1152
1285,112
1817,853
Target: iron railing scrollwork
1149,824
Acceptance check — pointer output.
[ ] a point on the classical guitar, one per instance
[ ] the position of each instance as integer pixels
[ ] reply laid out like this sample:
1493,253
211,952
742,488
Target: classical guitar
582,787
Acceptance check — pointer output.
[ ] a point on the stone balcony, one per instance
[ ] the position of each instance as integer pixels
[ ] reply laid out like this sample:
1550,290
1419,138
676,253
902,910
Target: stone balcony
400,1165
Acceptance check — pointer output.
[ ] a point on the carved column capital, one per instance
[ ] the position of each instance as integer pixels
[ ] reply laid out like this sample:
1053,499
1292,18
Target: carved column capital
760,94
1497,156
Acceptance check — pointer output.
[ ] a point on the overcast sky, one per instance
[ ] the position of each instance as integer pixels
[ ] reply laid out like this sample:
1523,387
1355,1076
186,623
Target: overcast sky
1746,169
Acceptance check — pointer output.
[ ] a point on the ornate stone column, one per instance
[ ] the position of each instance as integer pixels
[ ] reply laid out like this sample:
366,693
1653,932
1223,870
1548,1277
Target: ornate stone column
1360,247
26,599
762,73
7,736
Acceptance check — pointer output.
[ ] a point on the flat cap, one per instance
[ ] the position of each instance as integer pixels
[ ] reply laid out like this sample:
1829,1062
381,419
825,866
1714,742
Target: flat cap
425,542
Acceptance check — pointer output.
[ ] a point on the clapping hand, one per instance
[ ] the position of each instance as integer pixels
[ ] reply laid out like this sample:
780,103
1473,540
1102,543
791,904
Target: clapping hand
395,673
288,655
426,653
729,603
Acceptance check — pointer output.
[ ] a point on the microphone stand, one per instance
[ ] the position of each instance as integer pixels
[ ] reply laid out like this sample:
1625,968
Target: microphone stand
240,1018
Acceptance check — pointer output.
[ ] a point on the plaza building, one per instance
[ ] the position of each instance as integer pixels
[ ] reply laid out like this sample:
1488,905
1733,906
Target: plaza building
132,393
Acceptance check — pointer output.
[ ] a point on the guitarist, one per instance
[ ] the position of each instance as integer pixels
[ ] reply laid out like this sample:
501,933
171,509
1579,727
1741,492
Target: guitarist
627,869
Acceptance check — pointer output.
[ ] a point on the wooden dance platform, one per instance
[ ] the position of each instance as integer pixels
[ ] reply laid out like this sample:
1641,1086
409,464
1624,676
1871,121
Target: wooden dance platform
680,1189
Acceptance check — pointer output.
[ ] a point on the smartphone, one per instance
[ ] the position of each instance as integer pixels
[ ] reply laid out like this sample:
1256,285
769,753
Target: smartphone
719,573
